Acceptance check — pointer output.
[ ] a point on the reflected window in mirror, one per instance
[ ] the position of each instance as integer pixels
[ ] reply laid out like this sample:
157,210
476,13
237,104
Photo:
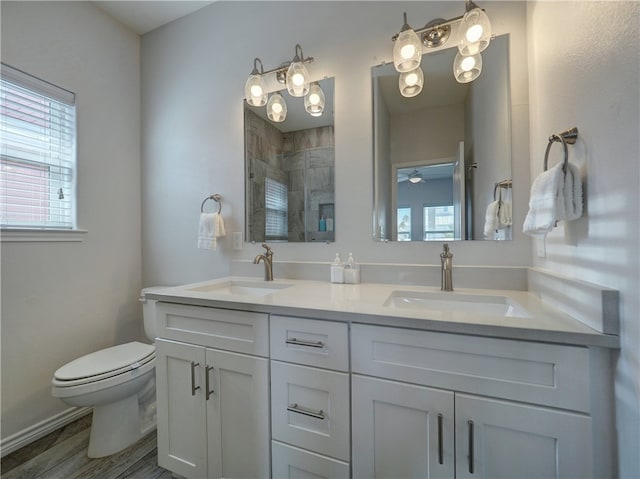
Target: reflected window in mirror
461,132
289,172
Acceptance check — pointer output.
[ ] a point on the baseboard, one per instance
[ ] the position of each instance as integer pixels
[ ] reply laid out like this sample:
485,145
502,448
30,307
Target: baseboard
41,429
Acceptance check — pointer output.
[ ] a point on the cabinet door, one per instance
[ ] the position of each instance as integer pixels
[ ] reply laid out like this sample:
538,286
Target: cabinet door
401,430
182,436
500,440
237,415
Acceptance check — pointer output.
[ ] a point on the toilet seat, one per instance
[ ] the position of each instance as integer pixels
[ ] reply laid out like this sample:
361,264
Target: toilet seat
104,364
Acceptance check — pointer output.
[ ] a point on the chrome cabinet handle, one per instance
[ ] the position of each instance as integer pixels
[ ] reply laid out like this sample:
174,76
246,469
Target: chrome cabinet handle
440,444
302,342
306,411
194,388
470,424
209,391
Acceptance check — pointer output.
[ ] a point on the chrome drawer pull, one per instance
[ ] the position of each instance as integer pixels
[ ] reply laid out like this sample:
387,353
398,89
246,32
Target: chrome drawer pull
302,342
470,424
305,411
209,391
440,445
194,388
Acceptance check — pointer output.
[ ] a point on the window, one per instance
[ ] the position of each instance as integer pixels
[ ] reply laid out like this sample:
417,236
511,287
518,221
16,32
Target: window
404,224
276,226
438,222
37,153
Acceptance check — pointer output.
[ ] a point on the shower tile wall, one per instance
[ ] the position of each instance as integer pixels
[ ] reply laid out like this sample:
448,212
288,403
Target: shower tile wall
304,161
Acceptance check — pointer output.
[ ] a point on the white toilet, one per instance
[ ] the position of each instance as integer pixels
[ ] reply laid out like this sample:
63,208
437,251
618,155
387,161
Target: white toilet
119,383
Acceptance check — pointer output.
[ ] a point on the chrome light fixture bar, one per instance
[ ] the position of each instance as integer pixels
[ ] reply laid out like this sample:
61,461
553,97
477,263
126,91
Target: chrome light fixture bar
295,76
474,37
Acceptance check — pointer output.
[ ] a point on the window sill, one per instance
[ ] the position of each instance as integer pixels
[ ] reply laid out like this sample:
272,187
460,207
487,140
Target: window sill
41,236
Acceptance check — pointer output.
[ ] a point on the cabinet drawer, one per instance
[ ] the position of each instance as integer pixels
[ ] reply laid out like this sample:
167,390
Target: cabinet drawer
310,408
324,344
293,463
226,329
538,373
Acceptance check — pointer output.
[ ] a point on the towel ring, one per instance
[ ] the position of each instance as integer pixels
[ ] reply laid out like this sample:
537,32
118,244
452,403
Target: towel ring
566,137
217,198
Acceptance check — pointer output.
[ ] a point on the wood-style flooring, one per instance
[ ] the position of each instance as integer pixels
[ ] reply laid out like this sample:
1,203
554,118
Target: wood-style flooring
63,455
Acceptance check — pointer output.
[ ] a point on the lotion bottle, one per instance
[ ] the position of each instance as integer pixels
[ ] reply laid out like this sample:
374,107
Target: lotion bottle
351,272
337,270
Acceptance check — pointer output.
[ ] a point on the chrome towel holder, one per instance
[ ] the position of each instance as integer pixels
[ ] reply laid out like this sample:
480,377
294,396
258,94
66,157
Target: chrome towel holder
565,137
217,198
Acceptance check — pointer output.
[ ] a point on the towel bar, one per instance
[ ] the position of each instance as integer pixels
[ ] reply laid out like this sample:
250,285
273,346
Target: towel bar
217,198
565,137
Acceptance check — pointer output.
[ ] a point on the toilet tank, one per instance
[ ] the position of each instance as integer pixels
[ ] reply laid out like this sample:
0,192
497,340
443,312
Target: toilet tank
149,312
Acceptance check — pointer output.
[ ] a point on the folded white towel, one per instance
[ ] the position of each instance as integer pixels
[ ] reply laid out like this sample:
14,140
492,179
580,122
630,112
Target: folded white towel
572,192
491,220
504,215
555,196
210,228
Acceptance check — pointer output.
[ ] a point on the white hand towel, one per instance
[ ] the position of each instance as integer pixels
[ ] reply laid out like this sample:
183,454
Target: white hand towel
210,228
504,215
546,204
491,220
572,193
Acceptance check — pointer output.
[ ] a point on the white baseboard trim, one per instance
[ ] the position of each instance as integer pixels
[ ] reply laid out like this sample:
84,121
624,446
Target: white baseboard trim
41,429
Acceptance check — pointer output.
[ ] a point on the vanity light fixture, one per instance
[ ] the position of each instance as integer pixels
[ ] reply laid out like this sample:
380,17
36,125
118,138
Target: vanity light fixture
276,108
474,37
314,100
255,91
407,50
296,77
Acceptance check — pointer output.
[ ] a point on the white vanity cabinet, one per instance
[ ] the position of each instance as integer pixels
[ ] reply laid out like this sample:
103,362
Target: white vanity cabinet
435,405
309,398
212,382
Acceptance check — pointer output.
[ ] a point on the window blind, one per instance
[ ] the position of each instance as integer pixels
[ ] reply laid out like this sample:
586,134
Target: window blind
37,153
276,210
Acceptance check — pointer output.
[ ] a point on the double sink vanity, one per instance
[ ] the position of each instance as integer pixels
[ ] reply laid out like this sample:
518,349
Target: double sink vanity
297,378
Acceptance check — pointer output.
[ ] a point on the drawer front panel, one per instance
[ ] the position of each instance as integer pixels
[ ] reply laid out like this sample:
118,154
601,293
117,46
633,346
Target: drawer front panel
310,408
238,331
293,463
324,344
538,373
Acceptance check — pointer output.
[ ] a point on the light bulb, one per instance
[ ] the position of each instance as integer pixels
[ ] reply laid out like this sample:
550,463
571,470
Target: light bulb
297,79
410,83
314,100
256,90
474,33
276,108
468,63
407,51
467,68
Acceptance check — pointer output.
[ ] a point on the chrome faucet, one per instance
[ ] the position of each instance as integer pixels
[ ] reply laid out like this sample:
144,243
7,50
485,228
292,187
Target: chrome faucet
446,268
267,258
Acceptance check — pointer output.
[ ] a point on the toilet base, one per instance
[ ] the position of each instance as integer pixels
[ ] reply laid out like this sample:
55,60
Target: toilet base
115,426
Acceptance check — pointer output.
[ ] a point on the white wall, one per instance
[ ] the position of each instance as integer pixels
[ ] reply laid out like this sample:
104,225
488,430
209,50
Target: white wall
63,300
591,80
193,76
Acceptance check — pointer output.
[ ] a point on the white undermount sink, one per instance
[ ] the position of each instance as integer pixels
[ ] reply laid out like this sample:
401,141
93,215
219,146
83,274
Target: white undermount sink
241,288
480,304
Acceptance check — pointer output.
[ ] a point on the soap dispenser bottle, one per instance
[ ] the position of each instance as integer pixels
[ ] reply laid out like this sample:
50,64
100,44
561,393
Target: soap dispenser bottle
351,272
337,270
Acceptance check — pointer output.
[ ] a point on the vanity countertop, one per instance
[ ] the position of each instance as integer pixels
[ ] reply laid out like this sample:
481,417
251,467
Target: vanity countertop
365,303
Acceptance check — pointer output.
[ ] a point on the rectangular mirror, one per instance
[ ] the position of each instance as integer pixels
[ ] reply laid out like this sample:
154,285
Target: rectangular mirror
443,157
289,173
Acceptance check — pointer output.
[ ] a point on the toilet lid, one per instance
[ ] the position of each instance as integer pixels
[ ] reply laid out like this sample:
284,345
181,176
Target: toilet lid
124,356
